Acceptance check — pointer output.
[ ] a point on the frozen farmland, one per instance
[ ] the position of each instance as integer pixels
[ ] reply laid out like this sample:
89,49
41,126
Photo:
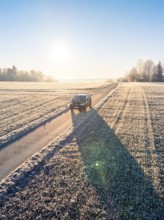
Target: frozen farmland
108,165
24,106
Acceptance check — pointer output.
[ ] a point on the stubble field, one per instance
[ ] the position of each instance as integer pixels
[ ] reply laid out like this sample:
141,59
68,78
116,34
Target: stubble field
24,106
108,165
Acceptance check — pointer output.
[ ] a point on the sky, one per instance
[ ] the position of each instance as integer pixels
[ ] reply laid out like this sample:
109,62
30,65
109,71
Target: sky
80,39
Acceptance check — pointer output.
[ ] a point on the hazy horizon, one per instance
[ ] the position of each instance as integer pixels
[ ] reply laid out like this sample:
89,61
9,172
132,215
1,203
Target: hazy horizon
80,39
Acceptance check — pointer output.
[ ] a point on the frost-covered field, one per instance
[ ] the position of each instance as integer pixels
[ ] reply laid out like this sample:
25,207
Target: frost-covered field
24,106
109,165
50,86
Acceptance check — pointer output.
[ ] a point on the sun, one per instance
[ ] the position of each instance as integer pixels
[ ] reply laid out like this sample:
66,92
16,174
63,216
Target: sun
61,54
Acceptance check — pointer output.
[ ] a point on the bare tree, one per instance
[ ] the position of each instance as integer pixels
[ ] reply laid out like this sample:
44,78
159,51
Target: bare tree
147,70
139,67
133,75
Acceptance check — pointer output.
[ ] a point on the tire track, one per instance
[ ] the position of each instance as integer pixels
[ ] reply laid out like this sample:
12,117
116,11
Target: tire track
121,111
152,156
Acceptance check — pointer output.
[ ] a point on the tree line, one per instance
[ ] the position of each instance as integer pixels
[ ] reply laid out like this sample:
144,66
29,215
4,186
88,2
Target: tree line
13,74
145,71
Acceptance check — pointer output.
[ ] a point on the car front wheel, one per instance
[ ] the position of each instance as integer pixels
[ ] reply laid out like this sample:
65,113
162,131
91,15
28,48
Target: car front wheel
84,108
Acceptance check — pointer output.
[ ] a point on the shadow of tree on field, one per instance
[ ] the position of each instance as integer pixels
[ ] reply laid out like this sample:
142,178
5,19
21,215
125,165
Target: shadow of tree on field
112,170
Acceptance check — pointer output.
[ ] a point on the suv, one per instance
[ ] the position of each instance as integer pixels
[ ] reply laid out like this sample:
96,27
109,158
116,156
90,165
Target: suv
81,102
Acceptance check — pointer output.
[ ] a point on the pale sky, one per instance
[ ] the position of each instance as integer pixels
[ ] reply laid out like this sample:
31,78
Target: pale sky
80,38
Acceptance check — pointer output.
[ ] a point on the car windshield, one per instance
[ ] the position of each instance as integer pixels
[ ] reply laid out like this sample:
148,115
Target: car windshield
80,98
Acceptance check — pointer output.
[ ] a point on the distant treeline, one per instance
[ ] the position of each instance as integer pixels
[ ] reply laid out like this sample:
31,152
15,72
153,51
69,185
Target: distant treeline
145,71
13,74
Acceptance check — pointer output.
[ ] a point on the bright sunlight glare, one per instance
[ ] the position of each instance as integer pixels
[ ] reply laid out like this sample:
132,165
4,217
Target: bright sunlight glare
61,54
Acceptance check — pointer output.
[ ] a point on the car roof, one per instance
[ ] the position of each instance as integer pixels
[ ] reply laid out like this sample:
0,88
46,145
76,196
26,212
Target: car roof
82,94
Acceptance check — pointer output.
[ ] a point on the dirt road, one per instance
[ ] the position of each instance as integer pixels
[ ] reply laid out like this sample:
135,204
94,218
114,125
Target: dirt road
17,152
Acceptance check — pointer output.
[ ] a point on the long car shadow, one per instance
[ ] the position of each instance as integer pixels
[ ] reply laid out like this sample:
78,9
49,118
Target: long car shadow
113,171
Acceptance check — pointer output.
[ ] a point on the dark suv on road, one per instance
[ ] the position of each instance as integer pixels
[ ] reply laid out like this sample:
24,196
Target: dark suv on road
81,102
